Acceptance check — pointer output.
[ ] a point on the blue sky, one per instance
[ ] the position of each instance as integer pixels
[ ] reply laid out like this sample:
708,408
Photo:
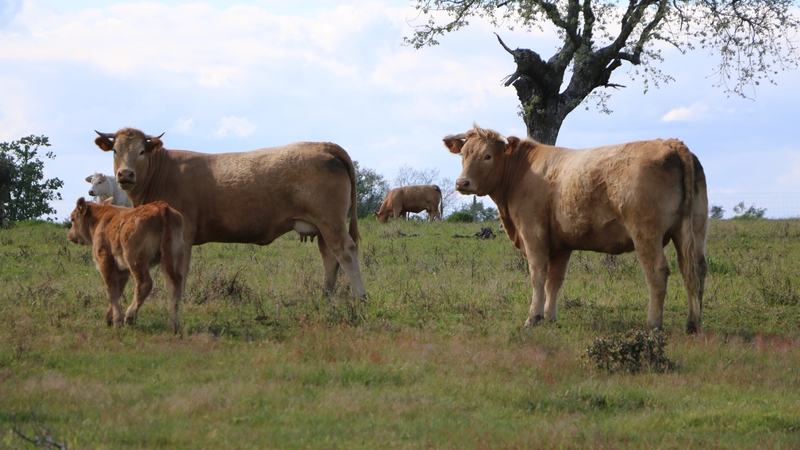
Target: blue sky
232,76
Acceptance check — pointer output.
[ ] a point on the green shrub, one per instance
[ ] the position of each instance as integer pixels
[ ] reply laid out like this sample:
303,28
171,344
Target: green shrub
459,216
632,352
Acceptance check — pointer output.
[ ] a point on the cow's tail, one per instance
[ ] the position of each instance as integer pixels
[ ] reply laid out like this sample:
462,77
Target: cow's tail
441,203
167,251
692,265
351,171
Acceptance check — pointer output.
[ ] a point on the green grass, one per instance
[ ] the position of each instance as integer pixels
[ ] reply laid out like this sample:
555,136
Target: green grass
436,356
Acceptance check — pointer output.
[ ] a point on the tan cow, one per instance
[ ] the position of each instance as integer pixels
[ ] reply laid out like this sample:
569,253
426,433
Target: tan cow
127,242
411,199
249,197
619,198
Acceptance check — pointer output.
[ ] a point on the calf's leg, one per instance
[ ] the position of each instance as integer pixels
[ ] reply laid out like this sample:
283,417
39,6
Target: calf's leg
115,281
144,284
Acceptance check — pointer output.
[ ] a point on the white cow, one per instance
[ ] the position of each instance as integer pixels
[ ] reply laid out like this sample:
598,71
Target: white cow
104,188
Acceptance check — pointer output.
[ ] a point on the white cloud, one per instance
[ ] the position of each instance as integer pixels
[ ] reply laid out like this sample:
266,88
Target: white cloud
236,126
695,112
183,125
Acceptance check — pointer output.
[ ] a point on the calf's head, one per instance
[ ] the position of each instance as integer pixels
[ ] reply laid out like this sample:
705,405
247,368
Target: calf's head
482,153
132,149
79,231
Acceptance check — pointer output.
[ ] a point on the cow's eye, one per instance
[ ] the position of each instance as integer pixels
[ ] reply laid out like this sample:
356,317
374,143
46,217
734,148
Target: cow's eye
141,153
487,157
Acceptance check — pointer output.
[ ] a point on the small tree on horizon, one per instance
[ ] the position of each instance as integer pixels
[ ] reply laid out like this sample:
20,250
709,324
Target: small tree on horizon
371,188
23,194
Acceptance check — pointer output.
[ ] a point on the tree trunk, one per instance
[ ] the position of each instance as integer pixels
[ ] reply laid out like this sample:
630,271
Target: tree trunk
543,114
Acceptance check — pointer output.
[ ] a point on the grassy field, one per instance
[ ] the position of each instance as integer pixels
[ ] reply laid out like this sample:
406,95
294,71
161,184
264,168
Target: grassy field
435,358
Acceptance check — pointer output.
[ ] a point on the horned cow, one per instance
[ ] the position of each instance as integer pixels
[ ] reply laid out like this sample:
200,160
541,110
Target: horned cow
249,197
636,196
105,187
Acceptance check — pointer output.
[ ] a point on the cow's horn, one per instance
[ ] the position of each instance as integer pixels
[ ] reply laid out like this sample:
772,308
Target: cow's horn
453,137
106,135
502,139
149,138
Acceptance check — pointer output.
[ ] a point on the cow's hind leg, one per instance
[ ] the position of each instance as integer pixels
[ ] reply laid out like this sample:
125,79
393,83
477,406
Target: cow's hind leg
693,267
174,280
144,284
330,266
650,253
345,250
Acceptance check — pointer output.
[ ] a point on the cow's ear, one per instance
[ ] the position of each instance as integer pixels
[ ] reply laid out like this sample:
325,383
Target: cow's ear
453,144
513,141
153,145
104,143
89,179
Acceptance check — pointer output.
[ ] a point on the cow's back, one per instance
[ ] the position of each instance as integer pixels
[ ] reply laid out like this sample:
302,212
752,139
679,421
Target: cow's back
600,196
251,197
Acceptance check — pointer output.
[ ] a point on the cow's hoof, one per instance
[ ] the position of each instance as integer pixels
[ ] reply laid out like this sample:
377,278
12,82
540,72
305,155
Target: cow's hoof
130,321
693,328
533,321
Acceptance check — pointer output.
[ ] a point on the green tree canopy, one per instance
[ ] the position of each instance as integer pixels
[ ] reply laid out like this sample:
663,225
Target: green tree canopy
371,188
23,194
753,39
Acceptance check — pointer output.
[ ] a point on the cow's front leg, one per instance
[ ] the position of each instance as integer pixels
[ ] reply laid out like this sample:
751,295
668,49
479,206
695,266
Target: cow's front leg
538,262
555,279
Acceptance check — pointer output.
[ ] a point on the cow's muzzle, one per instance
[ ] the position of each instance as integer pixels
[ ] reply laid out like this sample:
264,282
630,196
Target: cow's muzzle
464,186
126,178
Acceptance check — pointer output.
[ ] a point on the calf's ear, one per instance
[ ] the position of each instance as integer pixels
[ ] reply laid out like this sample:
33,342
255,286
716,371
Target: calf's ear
153,145
513,141
104,143
453,144
81,205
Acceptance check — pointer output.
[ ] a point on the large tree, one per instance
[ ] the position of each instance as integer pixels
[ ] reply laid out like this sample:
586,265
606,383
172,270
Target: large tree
752,38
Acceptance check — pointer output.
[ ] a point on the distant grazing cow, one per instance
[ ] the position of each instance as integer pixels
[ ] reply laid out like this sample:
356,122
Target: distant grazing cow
249,197
104,188
411,199
619,198
129,241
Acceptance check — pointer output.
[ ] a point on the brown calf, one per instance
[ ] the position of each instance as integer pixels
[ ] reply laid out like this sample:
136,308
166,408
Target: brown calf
129,241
